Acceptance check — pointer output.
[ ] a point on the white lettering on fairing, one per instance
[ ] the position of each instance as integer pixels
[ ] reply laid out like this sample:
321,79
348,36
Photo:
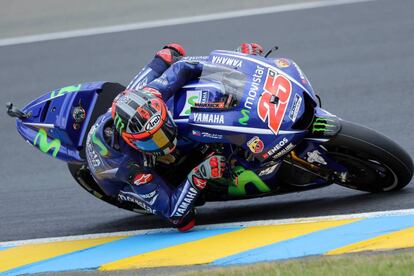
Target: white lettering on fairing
208,118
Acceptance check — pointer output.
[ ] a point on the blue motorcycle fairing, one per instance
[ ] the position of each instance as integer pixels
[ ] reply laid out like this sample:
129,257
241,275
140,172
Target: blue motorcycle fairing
55,128
238,124
292,71
221,107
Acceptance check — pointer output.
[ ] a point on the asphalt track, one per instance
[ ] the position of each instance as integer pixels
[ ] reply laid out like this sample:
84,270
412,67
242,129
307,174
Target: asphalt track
358,57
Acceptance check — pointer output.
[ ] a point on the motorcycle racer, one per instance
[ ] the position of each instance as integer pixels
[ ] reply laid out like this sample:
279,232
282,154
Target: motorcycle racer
125,144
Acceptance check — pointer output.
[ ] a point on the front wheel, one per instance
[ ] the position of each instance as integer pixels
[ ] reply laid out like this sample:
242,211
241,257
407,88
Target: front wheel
374,162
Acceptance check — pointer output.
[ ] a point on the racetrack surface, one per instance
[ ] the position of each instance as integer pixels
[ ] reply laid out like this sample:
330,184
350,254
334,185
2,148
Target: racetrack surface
359,58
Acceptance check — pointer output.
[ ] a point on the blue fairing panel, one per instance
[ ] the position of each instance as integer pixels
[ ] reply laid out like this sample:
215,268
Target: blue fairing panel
60,119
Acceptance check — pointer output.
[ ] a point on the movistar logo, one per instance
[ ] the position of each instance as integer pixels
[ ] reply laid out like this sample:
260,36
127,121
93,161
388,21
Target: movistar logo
102,149
245,118
64,90
241,178
44,145
119,125
322,125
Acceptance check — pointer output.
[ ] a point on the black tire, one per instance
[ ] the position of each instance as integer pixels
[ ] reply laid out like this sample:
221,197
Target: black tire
375,163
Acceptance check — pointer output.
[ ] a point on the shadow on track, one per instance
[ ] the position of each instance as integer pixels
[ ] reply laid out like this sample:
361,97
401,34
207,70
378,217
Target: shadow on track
225,213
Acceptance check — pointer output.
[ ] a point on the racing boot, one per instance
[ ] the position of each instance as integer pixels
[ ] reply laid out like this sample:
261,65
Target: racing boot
186,223
211,168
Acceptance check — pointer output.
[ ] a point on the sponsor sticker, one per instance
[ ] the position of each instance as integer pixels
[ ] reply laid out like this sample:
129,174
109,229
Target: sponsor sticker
293,113
268,170
208,118
195,58
193,97
153,122
211,135
223,60
196,133
142,178
251,94
282,63
255,145
209,105
277,147
315,157
284,151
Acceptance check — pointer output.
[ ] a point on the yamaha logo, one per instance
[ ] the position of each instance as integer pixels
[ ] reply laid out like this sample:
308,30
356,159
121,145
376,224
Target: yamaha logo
153,122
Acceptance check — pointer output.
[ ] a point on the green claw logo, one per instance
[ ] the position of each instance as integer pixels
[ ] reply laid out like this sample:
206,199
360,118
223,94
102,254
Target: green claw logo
245,118
322,125
119,125
44,145
64,90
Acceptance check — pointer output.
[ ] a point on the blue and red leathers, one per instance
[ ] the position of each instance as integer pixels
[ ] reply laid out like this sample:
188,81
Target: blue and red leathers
129,175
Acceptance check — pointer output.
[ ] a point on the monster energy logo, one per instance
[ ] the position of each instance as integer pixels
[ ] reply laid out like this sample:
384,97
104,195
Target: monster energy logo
44,145
119,125
245,118
322,125
64,90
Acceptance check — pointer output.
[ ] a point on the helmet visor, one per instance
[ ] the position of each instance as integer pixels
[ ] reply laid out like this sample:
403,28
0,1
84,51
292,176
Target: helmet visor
160,142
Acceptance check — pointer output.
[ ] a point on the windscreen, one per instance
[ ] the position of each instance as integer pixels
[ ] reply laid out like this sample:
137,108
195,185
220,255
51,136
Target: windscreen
230,83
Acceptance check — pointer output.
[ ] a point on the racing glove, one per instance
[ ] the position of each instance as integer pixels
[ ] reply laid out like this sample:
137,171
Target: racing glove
171,53
211,168
250,49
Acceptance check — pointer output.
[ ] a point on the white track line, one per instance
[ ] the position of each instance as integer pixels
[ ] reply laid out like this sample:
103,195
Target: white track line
404,212
174,21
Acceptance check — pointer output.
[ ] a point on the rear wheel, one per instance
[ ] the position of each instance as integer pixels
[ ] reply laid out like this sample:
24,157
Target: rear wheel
374,162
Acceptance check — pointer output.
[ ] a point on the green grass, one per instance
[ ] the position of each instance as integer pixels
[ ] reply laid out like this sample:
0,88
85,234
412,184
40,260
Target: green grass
391,263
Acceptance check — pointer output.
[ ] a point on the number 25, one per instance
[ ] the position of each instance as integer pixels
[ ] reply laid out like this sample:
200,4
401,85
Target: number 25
280,87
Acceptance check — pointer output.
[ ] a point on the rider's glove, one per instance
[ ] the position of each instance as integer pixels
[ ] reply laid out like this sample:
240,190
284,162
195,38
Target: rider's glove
250,49
171,53
211,168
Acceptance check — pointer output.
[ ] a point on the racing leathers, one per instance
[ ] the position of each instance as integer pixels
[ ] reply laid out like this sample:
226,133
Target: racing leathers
129,175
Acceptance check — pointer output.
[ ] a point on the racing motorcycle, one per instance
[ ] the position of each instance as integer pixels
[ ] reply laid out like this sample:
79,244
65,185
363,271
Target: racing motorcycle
260,112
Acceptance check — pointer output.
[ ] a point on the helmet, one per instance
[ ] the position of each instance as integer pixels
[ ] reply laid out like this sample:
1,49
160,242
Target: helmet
144,122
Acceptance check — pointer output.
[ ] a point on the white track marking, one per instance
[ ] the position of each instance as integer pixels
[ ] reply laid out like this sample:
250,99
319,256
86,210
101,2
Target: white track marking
404,212
173,21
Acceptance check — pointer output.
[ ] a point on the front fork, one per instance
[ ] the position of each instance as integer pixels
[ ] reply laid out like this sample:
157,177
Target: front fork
312,155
